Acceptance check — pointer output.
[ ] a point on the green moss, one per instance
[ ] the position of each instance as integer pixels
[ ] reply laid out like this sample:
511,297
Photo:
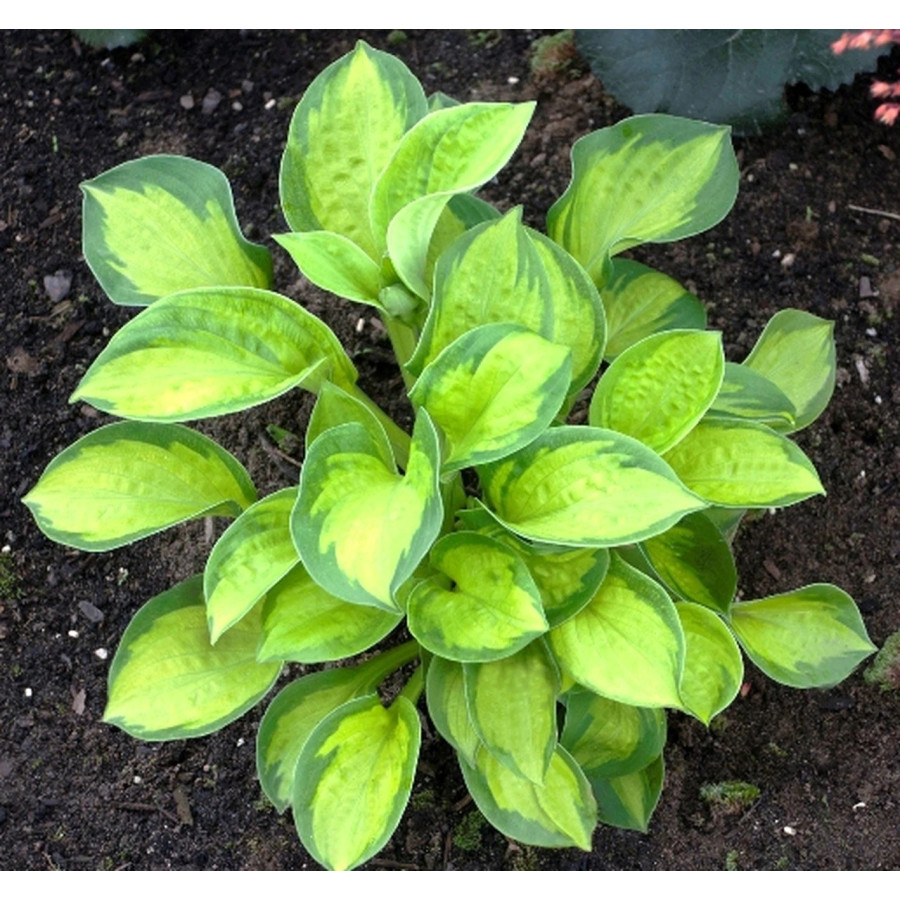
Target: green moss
10,587
885,668
467,835
731,860
553,54
730,796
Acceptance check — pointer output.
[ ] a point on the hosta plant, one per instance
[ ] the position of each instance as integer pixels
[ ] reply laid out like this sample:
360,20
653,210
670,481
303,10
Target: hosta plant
543,590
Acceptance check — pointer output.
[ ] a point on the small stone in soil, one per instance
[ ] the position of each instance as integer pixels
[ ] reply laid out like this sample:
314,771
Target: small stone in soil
90,612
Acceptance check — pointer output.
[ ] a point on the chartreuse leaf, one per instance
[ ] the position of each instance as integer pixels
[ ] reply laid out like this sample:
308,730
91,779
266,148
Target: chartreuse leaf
713,668
446,697
360,527
288,722
299,707
609,739
796,352
212,351
501,271
336,407
512,706
658,389
746,394
252,555
451,150
628,801
343,133
353,779
483,604
627,643
559,813
303,623
128,480
730,462
811,637
582,486
162,224
334,263
492,391
168,682
648,178
565,577
639,301
694,561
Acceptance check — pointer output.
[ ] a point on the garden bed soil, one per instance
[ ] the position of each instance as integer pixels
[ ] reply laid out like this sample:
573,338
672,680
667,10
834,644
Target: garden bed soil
78,794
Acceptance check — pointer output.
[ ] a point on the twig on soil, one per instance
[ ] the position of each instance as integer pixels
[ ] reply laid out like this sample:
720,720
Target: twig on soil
393,864
874,212
279,456
148,807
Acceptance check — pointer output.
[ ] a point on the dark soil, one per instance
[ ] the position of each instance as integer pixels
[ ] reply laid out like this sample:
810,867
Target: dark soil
77,794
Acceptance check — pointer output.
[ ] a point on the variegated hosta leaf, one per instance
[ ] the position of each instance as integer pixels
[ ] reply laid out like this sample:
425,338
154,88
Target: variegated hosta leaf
303,623
609,739
745,394
252,555
446,697
360,527
464,211
730,462
334,263
796,352
128,480
289,721
299,707
566,577
168,682
713,668
694,561
483,605
639,301
628,801
451,150
353,780
162,224
212,351
627,643
343,133
582,486
658,389
512,706
648,178
501,271
492,391
334,407
559,813
811,637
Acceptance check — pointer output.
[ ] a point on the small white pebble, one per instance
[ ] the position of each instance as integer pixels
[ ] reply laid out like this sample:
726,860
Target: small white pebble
871,332
772,510
137,779
789,831
788,260
101,653
878,399
240,742
862,475
793,167
859,805
6,549
512,80
360,324
73,633
270,104
751,177
27,692
776,254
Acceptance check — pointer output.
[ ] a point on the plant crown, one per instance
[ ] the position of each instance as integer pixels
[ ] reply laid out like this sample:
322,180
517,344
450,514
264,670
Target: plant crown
538,566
